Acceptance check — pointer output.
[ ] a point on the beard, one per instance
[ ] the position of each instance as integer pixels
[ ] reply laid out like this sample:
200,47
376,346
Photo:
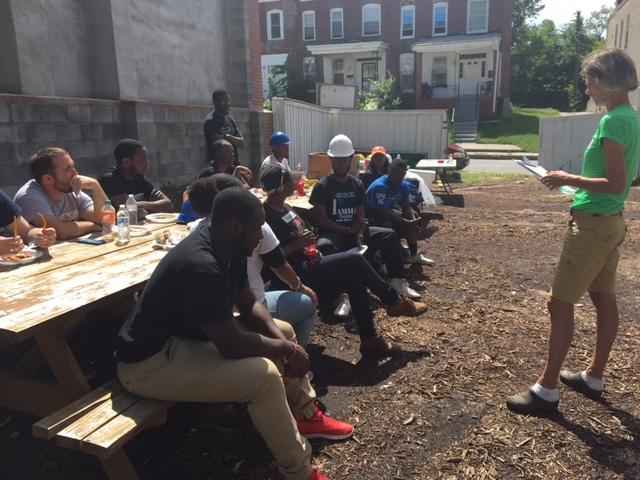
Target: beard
62,187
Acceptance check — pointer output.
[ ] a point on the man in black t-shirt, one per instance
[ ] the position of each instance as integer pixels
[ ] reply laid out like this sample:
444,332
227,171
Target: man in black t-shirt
127,178
338,202
182,341
218,124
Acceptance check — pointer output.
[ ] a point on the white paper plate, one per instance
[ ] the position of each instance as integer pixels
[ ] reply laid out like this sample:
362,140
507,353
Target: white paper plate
32,256
162,217
138,231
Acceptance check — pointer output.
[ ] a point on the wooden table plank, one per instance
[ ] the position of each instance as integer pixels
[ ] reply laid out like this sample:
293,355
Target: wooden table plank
83,266
75,295
69,252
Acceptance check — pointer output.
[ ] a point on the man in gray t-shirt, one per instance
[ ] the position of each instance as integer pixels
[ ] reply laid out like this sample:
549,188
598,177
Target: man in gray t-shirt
55,194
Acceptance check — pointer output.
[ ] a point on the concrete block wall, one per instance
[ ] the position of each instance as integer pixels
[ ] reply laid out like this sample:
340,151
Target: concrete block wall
86,128
89,129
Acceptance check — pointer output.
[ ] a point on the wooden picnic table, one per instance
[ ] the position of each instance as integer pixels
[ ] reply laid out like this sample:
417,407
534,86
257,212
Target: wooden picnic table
45,299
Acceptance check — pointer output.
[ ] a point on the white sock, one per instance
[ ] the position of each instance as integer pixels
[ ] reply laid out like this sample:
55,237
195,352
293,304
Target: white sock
592,382
548,394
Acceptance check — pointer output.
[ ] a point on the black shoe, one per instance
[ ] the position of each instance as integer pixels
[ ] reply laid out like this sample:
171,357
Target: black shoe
576,382
528,403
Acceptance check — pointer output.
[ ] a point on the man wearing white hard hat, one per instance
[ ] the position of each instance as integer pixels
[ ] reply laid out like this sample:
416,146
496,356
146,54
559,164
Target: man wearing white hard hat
338,202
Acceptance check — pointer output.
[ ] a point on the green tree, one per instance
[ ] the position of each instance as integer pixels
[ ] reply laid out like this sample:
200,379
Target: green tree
523,11
382,95
597,23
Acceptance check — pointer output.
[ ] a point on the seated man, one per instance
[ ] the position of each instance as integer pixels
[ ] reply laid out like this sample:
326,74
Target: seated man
388,194
296,306
223,161
338,202
127,178
55,195
378,165
11,220
182,341
279,143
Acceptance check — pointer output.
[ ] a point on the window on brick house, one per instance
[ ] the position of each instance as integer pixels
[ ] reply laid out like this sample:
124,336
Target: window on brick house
275,30
336,17
371,19
626,37
408,21
477,16
440,13
338,71
407,67
309,25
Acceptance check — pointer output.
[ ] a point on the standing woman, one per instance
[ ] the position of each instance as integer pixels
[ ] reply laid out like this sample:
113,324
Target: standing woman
589,258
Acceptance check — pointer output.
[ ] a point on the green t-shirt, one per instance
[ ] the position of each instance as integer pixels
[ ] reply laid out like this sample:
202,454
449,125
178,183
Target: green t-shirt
620,125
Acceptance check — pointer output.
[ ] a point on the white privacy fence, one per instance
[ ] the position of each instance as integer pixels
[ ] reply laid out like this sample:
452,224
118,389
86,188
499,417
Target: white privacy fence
563,140
311,128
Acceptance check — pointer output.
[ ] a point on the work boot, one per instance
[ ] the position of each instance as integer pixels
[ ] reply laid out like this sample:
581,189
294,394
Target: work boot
378,347
406,308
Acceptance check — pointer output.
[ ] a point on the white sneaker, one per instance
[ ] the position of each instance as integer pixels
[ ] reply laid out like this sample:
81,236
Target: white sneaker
401,286
419,258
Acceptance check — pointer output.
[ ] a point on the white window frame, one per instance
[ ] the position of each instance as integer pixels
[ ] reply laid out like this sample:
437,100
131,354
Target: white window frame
446,19
313,14
486,17
407,8
331,12
377,7
281,14
413,74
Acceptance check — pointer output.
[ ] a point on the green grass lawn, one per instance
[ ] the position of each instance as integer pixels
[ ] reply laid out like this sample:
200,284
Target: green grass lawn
470,178
522,128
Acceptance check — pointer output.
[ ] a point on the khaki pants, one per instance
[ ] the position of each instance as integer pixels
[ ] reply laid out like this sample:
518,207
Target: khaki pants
195,371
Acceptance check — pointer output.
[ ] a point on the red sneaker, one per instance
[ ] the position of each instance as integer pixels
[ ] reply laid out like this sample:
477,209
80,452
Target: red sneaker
320,426
316,475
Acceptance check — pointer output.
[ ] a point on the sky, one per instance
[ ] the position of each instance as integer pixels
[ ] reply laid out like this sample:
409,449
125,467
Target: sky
562,11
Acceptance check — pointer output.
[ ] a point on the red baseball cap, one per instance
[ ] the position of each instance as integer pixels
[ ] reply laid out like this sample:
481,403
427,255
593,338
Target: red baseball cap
378,149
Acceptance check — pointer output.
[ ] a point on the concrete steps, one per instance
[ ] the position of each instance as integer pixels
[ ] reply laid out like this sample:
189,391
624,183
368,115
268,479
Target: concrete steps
482,151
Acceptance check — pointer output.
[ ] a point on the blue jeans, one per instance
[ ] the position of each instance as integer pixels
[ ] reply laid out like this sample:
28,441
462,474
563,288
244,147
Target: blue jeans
295,308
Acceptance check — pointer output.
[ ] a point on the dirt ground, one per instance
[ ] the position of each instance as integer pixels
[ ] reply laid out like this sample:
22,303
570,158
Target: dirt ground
437,411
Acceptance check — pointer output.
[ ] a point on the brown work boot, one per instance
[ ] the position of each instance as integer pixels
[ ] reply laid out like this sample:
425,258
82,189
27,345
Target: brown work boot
406,308
378,347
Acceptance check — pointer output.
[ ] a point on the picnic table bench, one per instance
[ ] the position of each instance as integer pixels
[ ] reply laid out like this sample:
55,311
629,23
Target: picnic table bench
44,301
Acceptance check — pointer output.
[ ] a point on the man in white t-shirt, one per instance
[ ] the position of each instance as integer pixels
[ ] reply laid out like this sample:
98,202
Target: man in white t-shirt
55,195
279,143
296,306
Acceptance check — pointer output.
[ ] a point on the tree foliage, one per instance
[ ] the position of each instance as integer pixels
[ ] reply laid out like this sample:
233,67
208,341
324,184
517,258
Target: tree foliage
382,95
596,24
547,61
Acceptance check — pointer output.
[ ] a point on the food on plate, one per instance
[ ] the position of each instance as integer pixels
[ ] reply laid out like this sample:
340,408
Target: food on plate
16,257
163,238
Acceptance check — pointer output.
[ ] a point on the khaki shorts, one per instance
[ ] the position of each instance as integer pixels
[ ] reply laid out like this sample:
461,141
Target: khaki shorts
589,258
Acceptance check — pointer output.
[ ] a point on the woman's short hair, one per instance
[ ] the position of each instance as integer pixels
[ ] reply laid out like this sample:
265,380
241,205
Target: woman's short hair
612,69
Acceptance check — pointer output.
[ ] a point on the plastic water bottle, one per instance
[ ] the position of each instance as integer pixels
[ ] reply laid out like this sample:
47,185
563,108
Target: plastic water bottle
123,225
108,218
132,208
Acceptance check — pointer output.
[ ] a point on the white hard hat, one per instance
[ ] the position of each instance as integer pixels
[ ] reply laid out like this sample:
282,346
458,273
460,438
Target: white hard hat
340,146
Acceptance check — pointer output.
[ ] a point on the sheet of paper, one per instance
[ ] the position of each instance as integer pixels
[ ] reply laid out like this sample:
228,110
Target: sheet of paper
539,171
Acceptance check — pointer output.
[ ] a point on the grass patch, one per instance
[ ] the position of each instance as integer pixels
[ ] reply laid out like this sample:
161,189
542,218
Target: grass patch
470,178
521,129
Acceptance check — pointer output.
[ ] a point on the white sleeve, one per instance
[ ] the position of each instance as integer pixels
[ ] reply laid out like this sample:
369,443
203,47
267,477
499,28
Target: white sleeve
269,240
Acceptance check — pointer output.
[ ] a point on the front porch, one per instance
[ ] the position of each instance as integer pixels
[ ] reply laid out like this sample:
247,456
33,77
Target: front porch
461,66
356,64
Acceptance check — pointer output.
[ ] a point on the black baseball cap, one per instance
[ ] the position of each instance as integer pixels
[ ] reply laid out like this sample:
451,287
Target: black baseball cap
274,177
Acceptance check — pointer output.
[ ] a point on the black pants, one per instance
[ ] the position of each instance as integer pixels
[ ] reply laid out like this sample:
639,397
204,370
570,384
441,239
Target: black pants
380,239
350,273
